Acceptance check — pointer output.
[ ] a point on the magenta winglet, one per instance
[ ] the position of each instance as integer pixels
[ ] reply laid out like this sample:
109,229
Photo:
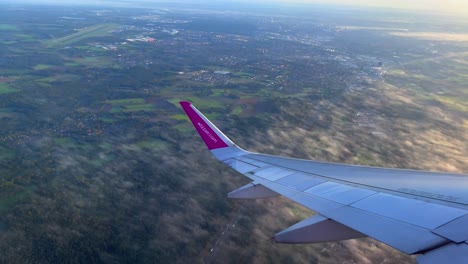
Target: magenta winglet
209,136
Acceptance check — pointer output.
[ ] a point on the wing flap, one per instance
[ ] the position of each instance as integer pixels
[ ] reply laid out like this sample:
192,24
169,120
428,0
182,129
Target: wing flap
456,230
228,152
452,253
316,229
406,237
412,211
340,193
240,166
252,190
300,181
402,236
312,202
254,162
281,189
272,173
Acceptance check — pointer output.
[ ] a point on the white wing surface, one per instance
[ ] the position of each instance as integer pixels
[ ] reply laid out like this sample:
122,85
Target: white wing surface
416,212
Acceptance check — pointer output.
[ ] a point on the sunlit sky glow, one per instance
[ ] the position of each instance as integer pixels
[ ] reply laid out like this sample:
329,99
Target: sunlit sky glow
447,6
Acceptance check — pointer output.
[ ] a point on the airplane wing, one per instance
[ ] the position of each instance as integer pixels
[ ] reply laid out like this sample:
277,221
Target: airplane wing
416,212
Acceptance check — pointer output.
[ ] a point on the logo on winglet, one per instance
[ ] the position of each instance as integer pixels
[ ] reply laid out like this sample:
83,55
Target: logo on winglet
202,127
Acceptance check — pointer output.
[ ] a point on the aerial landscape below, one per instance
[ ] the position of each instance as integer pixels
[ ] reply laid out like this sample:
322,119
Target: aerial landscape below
99,164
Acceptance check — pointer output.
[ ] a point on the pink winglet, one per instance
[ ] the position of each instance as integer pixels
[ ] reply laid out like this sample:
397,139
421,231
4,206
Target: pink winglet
209,136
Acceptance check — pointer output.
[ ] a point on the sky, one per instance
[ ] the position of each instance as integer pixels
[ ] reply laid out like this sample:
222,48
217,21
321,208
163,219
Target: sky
446,6
443,6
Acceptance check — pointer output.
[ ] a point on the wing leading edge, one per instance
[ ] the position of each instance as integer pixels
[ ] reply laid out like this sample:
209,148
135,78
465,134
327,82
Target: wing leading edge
416,212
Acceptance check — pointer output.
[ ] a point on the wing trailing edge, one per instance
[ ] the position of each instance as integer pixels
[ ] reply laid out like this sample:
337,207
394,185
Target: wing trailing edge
252,190
316,229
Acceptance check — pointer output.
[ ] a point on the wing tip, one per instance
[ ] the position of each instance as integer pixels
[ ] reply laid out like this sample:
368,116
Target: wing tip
210,134
185,104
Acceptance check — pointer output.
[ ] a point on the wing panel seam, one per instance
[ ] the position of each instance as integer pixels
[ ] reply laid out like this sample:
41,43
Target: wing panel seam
378,189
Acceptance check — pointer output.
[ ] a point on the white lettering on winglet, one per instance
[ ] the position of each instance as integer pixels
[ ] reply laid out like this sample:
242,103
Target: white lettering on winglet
207,132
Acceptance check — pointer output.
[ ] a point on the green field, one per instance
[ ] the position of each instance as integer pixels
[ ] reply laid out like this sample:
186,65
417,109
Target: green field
156,145
71,64
200,103
91,61
65,142
133,108
184,128
139,107
41,67
9,42
47,79
25,37
126,101
7,27
130,105
5,88
219,92
180,117
100,30
237,110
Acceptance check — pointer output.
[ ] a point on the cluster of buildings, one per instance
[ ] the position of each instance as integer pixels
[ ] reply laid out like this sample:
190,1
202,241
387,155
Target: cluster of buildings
218,77
141,39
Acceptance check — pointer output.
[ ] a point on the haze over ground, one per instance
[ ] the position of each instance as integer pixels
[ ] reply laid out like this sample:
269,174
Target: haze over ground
450,6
